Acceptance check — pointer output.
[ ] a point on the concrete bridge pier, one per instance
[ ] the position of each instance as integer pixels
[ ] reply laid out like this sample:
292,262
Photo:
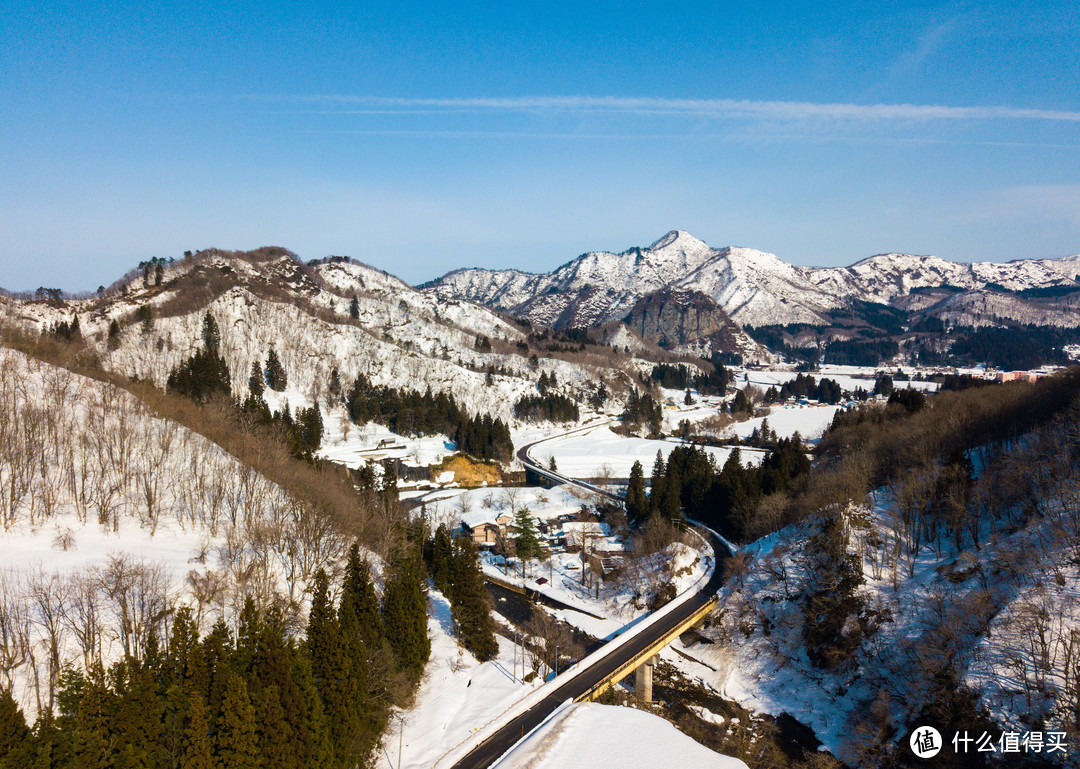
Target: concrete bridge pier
643,678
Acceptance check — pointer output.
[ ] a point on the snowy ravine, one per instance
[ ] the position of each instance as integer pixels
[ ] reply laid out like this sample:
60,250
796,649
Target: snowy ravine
978,599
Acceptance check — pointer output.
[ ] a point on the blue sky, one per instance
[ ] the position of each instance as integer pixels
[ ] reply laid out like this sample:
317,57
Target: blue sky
422,137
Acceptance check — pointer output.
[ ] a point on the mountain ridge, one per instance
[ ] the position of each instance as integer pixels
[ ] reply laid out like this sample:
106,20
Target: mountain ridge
753,287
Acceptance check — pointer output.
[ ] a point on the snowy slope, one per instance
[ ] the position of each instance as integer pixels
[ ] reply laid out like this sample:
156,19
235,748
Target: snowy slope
399,337
609,737
100,493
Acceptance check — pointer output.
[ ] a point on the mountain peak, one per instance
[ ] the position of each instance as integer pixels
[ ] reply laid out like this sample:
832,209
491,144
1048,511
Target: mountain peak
679,239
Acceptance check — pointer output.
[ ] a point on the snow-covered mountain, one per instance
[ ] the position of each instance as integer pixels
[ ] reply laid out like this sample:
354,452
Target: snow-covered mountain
318,316
753,287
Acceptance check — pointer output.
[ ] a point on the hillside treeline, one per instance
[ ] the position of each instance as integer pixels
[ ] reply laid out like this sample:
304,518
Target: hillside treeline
679,376
547,407
689,484
413,413
256,697
932,566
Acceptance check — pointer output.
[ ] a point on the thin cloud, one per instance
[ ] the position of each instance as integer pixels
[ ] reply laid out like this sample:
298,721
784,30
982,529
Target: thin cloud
714,108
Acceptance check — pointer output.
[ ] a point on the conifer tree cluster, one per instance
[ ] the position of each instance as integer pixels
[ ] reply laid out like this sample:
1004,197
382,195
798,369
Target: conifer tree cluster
835,619
275,373
805,386
642,410
679,376
67,330
205,373
688,484
550,407
303,432
546,382
404,614
411,413
599,397
482,343
256,699
741,404
455,572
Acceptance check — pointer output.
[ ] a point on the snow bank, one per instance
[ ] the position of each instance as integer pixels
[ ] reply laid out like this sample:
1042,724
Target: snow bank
600,736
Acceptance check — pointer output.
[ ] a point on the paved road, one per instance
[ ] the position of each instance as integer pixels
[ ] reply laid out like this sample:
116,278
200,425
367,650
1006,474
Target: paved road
489,751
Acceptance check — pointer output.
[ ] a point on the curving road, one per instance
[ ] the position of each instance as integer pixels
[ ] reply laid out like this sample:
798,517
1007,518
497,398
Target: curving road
489,751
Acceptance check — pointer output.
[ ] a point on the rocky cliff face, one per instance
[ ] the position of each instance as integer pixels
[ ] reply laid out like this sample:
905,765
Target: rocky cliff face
672,319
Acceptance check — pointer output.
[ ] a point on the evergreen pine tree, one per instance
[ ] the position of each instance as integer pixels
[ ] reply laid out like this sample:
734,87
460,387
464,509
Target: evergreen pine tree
313,734
275,372
272,674
334,387
354,308
637,501
323,642
15,744
213,668
365,602
114,334
404,614
176,705
347,707
526,539
137,713
331,667
256,381
471,607
670,500
656,483
235,744
91,726
273,733
197,744
210,333
441,555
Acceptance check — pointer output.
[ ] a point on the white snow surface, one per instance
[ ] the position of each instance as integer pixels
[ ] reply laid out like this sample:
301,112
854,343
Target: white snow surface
599,451
587,734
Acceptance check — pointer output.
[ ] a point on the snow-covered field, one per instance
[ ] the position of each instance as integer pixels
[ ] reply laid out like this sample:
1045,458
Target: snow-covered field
586,734
810,422
600,451
848,377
